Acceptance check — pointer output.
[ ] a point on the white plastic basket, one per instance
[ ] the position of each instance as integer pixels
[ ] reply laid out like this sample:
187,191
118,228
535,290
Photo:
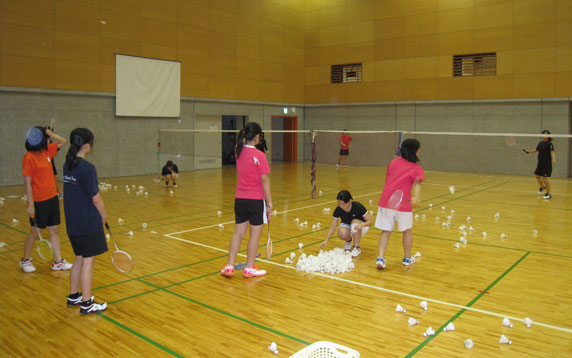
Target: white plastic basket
325,349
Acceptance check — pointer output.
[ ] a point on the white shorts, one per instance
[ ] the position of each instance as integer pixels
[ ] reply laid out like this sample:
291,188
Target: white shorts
386,219
364,230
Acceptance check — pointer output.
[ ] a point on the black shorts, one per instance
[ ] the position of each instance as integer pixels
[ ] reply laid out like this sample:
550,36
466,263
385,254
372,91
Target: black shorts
543,171
344,152
89,245
251,210
47,212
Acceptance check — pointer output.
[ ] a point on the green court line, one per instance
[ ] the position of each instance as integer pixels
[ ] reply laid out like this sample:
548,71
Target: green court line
458,314
13,228
146,339
258,325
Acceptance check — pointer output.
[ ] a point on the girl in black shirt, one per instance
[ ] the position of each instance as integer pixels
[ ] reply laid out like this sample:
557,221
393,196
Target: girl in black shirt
546,157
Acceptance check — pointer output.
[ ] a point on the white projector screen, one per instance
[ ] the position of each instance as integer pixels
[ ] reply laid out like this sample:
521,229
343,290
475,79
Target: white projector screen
147,87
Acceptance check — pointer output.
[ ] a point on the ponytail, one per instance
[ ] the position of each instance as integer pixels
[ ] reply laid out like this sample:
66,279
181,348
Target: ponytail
78,137
246,134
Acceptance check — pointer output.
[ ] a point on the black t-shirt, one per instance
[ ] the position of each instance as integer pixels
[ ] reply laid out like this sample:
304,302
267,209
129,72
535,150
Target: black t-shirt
544,157
80,186
166,171
357,211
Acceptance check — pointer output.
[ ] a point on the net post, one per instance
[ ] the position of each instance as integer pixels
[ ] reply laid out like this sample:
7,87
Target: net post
313,170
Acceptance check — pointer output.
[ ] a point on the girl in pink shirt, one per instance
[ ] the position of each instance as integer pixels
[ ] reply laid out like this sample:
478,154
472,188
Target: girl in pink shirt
404,174
252,201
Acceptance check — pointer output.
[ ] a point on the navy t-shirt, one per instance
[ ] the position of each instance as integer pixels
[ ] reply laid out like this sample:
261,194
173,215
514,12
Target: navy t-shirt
356,212
80,186
544,157
166,171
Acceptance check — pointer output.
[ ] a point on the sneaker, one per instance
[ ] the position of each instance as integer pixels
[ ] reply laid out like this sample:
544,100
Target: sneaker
91,306
63,265
174,185
337,165
408,261
547,196
345,167
253,272
540,190
71,302
227,271
27,265
356,251
380,263
348,245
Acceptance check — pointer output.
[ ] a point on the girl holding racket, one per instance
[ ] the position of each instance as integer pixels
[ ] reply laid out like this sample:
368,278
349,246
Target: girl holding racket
403,177
253,201
41,189
546,157
355,222
85,217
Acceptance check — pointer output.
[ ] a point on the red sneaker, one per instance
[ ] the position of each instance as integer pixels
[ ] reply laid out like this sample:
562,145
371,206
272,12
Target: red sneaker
227,271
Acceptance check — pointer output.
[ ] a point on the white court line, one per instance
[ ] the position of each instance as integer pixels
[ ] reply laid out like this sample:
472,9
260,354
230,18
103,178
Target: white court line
405,294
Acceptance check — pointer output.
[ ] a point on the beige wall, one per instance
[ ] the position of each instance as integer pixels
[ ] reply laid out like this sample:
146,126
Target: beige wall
281,50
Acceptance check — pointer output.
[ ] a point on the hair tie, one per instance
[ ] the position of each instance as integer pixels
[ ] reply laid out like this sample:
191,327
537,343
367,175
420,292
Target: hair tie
78,140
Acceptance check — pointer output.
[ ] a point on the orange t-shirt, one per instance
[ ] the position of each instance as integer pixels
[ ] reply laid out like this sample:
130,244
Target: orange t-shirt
38,166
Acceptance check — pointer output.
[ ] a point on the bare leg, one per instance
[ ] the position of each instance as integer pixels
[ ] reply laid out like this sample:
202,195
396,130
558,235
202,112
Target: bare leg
407,242
75,274
383,241
540,181
234,246
29,243
174,177
86,276
339,160
55,241
252,249
167,178
547,185
356,235
344,234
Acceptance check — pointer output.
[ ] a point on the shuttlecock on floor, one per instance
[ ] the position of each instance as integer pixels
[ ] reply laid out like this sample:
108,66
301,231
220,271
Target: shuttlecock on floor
318,225
296,220
130,233
2,244
469,219
456,245
398,308
449,217
534,232
288,261
423,216
144,225
273,348
463,240
430,205
24,197
444,223
453,211
305,223
464,233
484,234
146,194
301,225
469,343
300,245
437,218
115,187
506,322
371,212
320,193
275,212
220,226
219,213
15,221
120,220
528,322
429,332
314,227
370,201
292,255
462,227
503,236
452,189
504,340
471,228
497,215
417,254
171,193
416,216
424,305
412,321
443,208
449,327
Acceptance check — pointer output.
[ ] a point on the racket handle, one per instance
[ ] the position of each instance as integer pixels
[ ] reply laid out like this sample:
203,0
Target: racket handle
107,226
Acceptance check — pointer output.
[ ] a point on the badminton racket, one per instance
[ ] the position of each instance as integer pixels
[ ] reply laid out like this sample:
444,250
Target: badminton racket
269,242
242,265
44,247
157,180
395,199
120,259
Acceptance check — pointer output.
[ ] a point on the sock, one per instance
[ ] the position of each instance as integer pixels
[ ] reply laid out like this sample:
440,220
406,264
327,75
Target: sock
86,303
74,295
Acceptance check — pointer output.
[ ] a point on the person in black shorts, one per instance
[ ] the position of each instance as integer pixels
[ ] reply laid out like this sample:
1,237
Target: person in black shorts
85,218
355,222
170,172
546,157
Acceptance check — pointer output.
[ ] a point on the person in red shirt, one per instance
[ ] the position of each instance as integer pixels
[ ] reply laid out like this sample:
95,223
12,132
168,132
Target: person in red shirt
253,201
43,202
404,176
345,142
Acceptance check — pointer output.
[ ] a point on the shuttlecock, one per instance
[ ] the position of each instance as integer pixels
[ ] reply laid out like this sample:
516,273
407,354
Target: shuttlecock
171,193
398,308
506,322
301,225
423,216
528,322
219,213
371,212
133,186
2,244
141,187
412,321
305,223
452,189
484,234
15,221
275,212
456,245
288,261
416,216
417,254
320,193
464,233
300,245
503,235
130,233
423,305
469,219
325,209
462,227
128,191
107,236
453,211
430,205
449,327
292,255
497,215
115,187
444,223
437,218
120,220
469,343
220,226
463,240
146,194
144,225
296,220
139,193
314,227
318,225
534,232
443,208
273,347
449,217
429,332
370,201
471,228
24,197
504,340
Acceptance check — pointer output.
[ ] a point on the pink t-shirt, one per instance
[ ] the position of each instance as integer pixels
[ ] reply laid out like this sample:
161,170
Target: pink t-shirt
251,165
401,174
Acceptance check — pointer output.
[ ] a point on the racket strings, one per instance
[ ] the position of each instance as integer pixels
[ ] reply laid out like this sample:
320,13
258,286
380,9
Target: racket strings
122,261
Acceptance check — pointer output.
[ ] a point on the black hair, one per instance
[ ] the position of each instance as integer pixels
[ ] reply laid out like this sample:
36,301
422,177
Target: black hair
409,149
37,147
246,134
344,196
546,131
78,137
169,163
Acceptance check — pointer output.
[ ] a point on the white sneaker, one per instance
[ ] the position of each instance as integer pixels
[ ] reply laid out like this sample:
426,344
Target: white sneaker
348,245
27,265
92,307
253,272
356,251
61,266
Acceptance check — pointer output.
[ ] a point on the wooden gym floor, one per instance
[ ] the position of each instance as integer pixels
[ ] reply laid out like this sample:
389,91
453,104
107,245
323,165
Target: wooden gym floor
175,303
